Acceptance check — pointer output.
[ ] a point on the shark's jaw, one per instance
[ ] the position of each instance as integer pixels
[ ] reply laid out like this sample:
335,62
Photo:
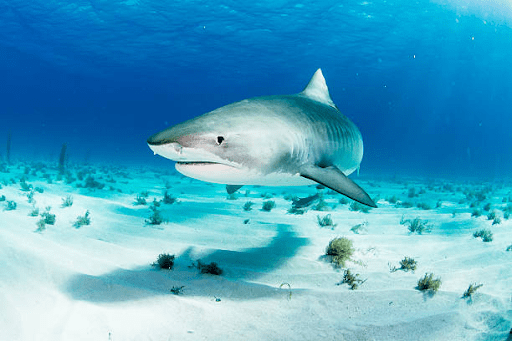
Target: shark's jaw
174,151
199,164
210,168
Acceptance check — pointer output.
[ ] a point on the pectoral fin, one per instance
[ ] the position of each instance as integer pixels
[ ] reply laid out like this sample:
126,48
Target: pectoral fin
333,178
232,188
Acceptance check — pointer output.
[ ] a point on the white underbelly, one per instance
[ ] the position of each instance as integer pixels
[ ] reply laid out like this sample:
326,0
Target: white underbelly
222,174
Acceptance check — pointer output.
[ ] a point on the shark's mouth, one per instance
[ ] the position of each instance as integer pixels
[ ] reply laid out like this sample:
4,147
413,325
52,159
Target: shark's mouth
198,163
186,157
210,171
202,165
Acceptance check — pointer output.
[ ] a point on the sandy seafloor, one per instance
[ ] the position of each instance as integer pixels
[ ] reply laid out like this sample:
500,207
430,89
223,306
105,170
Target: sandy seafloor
97,282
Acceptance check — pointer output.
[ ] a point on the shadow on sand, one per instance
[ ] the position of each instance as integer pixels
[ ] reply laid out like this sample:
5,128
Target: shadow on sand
239,268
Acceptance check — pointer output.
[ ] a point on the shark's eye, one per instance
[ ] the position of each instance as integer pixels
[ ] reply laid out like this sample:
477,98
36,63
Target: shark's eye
220,139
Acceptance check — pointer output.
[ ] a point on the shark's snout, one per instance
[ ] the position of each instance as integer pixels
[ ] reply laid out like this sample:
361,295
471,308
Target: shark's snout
165,144
171,150
158,139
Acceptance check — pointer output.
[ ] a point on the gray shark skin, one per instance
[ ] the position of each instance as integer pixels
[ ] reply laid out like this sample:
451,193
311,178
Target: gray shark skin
289,140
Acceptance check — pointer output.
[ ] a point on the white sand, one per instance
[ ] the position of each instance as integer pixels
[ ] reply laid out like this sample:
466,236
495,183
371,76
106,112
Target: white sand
97,283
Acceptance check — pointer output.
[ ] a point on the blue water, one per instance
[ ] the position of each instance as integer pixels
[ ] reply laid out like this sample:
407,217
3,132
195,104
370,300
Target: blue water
428,83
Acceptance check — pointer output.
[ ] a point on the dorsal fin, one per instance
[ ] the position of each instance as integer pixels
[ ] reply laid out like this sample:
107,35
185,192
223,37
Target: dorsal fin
317,89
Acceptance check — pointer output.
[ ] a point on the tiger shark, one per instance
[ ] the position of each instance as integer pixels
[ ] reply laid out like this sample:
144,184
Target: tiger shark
287,140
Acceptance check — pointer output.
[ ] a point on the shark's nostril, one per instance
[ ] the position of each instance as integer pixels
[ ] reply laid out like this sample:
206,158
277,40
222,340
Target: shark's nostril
177,147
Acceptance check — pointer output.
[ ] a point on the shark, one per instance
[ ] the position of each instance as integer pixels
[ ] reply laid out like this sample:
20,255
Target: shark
281,140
